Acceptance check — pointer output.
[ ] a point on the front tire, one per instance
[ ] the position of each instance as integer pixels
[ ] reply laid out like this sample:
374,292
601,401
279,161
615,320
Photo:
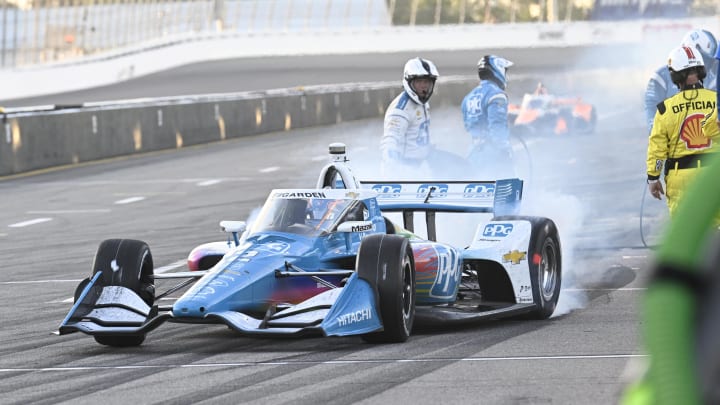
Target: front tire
127,263
387,263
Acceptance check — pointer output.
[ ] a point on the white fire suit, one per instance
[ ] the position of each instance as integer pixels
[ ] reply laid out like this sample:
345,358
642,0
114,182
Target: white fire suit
406,133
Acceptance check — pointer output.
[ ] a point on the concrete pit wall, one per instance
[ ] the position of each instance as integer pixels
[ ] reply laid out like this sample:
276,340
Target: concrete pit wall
43,139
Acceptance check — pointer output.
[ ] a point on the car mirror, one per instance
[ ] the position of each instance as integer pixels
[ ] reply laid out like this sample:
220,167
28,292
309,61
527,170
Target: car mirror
233,226
356,226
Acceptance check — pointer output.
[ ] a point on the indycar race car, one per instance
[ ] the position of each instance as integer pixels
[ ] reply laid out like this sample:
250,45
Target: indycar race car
328,261
542,113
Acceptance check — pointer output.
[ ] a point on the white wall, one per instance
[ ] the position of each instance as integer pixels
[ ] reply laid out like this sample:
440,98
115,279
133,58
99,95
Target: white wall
154,57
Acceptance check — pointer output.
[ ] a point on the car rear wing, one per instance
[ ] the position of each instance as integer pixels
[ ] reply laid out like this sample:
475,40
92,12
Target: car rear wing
500,197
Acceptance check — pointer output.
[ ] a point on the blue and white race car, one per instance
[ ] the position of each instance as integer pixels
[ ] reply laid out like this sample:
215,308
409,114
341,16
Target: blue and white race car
328,261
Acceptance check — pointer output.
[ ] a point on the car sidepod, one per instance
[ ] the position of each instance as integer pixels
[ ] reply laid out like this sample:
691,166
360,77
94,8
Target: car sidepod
438,271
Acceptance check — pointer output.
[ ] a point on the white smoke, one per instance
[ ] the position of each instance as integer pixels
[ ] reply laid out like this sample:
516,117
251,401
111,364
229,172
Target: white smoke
562,181
568,213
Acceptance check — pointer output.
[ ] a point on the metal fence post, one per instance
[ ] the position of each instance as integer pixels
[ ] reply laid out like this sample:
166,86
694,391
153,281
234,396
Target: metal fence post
3,48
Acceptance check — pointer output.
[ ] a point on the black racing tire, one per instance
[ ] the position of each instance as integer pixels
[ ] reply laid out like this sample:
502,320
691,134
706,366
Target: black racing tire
545,263
585,127
79,289
387,263
127,263
593,121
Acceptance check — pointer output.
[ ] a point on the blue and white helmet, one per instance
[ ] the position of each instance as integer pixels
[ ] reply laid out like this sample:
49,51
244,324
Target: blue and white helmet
702,40
417,68
492,67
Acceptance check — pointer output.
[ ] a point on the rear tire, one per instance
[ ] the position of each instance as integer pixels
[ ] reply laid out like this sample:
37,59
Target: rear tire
127,263
387,263
545,263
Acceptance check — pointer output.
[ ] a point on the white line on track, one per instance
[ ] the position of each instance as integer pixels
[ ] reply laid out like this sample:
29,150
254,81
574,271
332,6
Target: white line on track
3,234
93,211
30,222
72,299
604,289
161,269
208,182
269,169
319,158
139,181
170,266
329,362
38,282
129,200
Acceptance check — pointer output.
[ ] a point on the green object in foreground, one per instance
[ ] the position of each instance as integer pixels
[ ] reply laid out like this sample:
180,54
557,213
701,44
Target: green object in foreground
670,307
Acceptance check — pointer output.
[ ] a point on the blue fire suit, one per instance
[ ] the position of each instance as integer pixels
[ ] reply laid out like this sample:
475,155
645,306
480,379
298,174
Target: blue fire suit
485,114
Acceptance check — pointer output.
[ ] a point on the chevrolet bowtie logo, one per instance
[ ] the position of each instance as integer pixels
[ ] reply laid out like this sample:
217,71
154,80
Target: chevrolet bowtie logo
514,257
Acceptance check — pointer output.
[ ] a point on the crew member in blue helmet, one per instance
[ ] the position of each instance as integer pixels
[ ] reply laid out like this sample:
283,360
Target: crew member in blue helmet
485,114
661,87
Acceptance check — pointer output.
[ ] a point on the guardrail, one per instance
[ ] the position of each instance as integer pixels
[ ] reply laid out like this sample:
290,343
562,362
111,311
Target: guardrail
59,135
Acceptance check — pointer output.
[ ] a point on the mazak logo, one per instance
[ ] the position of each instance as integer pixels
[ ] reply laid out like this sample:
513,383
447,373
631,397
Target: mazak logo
479,190
388,190
362,228
497,230
438,190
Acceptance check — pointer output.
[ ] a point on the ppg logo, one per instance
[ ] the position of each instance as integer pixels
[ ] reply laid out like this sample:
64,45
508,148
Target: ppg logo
497,230
388,190
474,105
478,190
439,190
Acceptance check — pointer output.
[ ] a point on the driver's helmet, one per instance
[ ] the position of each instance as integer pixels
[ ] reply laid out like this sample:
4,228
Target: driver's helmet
541,90
682,61
704,42
418,68
357,212
492,67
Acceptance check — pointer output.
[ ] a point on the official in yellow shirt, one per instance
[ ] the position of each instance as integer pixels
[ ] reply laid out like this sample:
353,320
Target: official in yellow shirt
711,125
677,138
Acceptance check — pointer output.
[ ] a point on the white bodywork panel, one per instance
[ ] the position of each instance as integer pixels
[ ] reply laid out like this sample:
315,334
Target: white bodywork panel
506,242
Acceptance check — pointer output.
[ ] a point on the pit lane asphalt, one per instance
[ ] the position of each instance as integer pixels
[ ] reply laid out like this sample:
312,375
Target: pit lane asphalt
591,186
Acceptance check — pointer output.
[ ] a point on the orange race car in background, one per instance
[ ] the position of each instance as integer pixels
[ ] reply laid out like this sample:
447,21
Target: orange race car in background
545,114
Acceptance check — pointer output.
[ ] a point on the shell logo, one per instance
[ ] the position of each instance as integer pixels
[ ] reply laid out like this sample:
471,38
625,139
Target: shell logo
691,132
